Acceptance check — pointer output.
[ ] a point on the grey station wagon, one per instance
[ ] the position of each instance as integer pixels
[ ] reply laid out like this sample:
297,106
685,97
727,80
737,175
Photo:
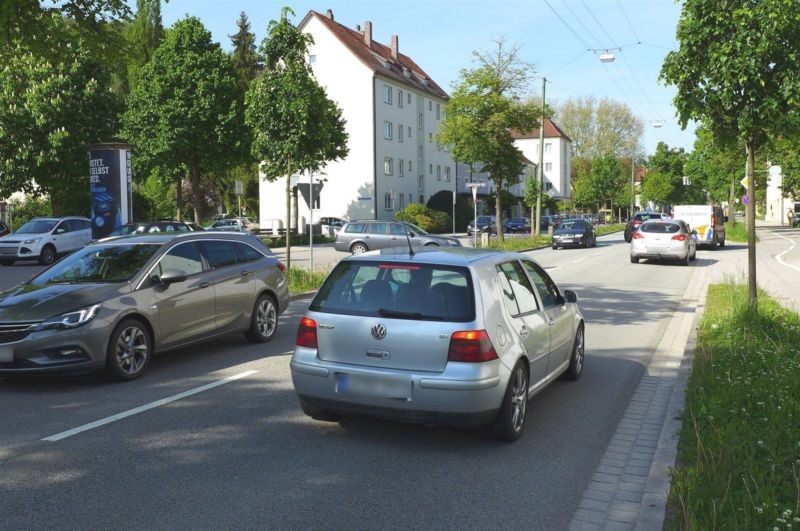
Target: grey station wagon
358,237
114,303
451,336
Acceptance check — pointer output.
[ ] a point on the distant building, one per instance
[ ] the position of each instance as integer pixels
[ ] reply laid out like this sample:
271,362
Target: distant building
557,157
392,110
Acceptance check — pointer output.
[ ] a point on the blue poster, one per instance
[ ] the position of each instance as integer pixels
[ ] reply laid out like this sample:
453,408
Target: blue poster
106,186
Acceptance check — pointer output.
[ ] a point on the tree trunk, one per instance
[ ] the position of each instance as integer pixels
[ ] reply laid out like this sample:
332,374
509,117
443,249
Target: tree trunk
752,287
289,214
179,199
194,167
497,208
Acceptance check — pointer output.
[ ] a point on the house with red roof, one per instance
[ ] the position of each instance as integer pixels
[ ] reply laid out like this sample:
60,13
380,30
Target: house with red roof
556,161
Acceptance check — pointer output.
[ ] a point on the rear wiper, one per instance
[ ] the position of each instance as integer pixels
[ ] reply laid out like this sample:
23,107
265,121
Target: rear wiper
383,312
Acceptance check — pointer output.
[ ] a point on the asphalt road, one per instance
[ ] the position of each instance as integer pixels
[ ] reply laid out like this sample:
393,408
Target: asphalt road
242,454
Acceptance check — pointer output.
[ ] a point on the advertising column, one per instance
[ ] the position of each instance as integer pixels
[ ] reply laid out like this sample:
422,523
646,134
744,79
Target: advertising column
110,187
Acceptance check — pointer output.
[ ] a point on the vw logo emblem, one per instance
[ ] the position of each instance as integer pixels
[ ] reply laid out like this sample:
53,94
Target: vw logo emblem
378,331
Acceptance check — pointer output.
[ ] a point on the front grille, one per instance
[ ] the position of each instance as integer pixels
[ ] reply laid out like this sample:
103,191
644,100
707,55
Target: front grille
8,250
11,332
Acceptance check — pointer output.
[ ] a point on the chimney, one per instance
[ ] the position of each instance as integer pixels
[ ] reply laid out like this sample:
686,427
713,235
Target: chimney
368,33
394,47
329,14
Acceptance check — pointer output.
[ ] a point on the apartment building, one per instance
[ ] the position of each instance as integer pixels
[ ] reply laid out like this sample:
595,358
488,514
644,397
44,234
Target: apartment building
557,155
392,110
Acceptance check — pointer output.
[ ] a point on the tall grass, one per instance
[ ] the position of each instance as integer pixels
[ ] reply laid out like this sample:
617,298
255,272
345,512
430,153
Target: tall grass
303,280
739,449
737,232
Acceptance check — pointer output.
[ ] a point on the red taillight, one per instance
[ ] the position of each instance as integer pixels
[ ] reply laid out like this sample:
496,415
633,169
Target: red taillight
713,220
307,333
637,235
679,237
282,266
637,223
472,346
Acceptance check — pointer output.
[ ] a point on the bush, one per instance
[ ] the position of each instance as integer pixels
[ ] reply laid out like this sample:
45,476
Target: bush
31,207
425,218
443,202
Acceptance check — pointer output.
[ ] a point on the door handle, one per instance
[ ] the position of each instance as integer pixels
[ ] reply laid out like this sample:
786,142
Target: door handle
523,331
550,320
203,285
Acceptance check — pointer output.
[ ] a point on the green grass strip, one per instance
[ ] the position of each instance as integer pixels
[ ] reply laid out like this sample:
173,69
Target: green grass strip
739,449
303,280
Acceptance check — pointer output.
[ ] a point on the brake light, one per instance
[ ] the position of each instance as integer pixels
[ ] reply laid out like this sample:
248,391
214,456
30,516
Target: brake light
637,235
307,333
471,346
282,266
713,220
679,237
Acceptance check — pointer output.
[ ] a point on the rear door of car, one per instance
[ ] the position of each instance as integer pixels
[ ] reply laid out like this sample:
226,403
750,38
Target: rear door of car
62,238
377,236
232,281
560,317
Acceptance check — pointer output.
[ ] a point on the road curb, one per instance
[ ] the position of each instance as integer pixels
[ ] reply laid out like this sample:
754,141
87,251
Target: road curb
304,295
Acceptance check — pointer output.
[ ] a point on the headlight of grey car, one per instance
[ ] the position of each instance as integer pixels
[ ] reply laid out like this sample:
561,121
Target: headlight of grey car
70,319
31,241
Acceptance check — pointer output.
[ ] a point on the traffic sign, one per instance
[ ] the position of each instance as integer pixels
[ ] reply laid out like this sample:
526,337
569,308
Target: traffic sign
239,187
745,200
774,170
745,182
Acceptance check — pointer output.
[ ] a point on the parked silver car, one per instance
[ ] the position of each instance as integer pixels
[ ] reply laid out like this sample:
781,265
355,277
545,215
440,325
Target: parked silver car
661,239
451,336
114,303
358,237
45,239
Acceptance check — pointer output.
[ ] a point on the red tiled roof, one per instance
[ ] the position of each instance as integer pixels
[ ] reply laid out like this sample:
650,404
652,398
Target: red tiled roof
378,58
551,130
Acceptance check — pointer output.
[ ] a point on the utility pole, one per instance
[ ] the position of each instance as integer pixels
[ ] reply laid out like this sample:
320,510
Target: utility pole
540,179
633,182
455,190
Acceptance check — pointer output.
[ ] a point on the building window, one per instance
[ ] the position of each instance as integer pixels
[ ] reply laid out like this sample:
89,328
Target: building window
430,105
420,182
548,187
409,131
410,199
548,166
438,112
447,173
400,169
438,173
430,169
387,200
388,164
400,98
312,59
399,133
387,94
387,130
402,201
419,121
438,145
409,98
430,138
409,167
548,146
419,152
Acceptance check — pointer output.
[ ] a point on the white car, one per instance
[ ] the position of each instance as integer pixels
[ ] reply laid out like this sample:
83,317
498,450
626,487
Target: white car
664,239
44,239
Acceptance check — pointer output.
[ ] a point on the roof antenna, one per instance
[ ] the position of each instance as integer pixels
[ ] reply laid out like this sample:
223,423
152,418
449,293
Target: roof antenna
405,229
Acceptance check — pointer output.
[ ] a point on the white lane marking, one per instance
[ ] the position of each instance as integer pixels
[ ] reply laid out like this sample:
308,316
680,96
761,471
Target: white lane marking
779,257
140,409
597,254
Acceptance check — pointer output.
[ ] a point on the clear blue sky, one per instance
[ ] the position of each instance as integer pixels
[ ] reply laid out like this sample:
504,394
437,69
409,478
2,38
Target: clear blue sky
440,36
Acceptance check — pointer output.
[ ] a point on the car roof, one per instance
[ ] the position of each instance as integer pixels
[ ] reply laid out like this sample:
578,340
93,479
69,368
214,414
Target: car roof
454,256
166,237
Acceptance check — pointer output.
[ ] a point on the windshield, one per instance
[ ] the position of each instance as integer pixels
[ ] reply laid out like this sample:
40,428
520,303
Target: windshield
107,263
573,225
415,228
37,226
128,229
484,219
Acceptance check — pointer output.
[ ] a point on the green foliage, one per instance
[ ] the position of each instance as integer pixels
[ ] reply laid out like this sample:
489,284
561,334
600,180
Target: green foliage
740,442
49,111
144,36
425,218
608,179
482,110
736,232
507,199
153,198
714,165
442,201
657,187
304,281
785,152
599,128
30,207
521,243
185,110
245,58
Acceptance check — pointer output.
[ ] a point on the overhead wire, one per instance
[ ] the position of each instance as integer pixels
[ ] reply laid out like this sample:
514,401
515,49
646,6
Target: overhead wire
629,21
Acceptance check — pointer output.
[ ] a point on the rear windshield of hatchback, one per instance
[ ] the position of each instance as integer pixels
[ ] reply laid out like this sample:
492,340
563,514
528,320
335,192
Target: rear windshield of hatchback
425,292
662,228
645,217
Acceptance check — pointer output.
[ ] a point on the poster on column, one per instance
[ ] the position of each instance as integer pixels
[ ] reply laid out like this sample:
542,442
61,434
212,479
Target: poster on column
109,184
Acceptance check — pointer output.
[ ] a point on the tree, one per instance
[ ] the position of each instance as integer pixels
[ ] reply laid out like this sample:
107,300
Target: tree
657,187
483,109
608,180
144,36
715,167
599,128
186,110
737,69
296,128
245,58
49,111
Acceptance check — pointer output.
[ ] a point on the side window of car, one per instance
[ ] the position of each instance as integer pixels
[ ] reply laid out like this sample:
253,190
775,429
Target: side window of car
62,227
355,228
180,227
184,257
397,229
518,293
84,224
547,289
249,254
218,253
377,228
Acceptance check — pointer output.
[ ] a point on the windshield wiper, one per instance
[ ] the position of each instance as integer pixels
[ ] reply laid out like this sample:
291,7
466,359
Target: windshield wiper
383,312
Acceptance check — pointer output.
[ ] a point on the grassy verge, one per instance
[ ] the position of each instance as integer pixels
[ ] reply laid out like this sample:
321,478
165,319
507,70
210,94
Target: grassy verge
739,450
520,242
608,229
737,232
303,280
298,240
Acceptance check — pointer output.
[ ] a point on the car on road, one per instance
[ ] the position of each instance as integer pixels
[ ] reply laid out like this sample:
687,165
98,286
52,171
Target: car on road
361,236
574,233
706,220
4,229
637,219
194,226
115,303
451,336
45,239
517,225
483,223
234,224
150,227
662,239
334,223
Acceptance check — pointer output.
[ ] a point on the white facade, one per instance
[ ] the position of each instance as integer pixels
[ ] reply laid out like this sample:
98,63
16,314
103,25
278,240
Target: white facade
379,111
778,205
556,160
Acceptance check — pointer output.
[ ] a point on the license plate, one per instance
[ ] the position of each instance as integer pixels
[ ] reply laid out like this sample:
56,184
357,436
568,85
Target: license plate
6,355
8,250
356,384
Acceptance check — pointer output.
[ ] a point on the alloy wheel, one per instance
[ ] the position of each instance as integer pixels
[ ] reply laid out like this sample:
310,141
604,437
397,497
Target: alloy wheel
132,350
266,317
579,351
519,398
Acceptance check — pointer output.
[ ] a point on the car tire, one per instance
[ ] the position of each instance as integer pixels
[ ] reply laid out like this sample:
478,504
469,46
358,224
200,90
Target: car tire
129,350
431,244
358,248
714,242
317,413
685,260
576,360
722,243
48,255
6,262
694,256
555,247
510,421
263,321
634,259
628,237
586,243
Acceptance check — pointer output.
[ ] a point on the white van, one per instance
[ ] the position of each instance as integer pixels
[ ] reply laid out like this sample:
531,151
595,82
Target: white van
708,221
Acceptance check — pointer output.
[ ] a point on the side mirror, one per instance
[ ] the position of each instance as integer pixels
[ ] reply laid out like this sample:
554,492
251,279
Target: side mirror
694,233
171,276
725,219
570,296
60,230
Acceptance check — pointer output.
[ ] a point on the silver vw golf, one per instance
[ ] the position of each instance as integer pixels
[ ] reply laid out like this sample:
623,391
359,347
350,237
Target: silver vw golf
452,336
114,303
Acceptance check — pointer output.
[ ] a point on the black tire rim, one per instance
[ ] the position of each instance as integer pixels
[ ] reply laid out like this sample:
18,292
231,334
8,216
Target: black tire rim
48,255
266,318
519,398
132,349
